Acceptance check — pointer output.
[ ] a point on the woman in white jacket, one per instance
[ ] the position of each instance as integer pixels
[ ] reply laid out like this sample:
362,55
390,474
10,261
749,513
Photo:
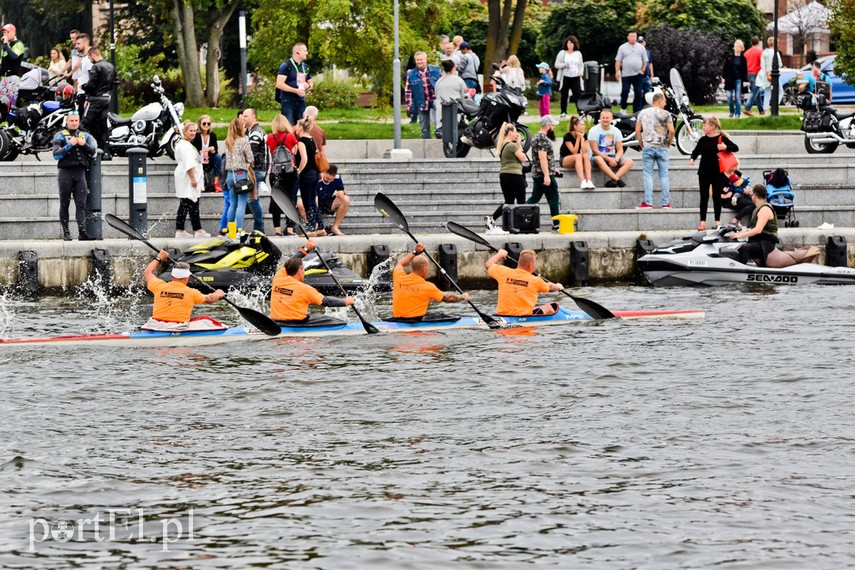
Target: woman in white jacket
570,68
189,183
764,78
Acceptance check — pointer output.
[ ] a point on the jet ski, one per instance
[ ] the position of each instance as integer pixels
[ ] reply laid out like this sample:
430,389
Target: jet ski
253,259
713,259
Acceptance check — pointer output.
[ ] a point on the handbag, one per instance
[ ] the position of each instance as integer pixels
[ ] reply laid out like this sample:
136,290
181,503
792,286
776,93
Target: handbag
242,183
727,161
321,162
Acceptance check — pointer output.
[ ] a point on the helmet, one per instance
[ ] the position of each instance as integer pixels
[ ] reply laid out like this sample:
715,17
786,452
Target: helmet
65,94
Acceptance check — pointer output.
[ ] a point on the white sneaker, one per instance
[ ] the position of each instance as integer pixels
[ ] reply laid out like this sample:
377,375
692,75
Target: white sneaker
583,185
563,115
181,234
496,231
201,234
590,185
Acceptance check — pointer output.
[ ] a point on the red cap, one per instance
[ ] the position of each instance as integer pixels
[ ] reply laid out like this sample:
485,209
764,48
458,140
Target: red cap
9,28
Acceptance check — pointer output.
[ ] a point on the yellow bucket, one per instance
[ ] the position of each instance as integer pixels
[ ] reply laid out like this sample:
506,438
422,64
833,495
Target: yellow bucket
566,223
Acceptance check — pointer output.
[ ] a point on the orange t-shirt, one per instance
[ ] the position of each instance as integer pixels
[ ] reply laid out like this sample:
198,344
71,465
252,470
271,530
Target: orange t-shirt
518,290
290,299
173,301
411,294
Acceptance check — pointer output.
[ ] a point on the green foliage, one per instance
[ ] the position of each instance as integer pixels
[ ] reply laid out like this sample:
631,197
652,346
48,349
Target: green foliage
262,95
696,55
730,19
131,65
331,94
842,26
600,25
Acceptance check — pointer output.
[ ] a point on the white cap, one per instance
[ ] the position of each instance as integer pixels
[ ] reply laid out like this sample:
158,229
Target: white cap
180,273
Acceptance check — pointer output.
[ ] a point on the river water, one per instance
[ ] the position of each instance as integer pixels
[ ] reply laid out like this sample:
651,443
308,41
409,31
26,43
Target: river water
726,442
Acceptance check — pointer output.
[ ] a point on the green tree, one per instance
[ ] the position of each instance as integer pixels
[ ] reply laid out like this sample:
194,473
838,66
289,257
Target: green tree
842,26
730,19
504,28
600,25
44,24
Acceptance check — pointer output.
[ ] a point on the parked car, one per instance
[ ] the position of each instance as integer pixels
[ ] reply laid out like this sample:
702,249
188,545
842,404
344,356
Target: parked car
841,92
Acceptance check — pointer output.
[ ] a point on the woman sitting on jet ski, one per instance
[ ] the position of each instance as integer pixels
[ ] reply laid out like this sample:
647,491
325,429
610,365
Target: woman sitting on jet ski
763,233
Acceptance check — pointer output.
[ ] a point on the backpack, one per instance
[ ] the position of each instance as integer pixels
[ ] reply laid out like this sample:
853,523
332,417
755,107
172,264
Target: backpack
283,160
779,178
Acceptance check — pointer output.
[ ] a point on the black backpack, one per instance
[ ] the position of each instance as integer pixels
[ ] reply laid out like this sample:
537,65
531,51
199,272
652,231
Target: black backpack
283,160
779,178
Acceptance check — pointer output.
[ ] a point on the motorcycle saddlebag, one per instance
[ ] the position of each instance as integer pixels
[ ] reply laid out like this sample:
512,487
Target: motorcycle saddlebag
479,132
591,103
812,122
27,118
521,218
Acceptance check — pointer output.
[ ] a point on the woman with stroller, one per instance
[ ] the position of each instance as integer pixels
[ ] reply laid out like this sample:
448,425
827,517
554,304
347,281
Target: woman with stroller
763,233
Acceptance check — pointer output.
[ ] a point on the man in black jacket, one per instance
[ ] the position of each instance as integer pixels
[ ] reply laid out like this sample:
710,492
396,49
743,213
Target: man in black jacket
73,149
258,142
102,79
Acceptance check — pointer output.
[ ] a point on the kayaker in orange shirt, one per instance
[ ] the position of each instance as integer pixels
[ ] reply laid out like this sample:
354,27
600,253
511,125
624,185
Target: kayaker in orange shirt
519,288
174,300
412,293
290,297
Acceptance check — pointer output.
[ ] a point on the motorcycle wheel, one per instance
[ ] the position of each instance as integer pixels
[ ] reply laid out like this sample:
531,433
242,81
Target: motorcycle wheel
5,145
820,148
525,136
170,146
688,134
462,149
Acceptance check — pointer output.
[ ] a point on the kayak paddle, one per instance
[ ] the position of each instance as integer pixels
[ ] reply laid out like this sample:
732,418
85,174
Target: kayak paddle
290,211
594,309
259,320
391,212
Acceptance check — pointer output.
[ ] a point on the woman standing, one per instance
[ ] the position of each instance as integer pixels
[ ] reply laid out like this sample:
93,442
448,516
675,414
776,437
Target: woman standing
240,178
735,74
57,63
711,180
206,143
511,177
574,152
188,183
570,67
283,134
308,176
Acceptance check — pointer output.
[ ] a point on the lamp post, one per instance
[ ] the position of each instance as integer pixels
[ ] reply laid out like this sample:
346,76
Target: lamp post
114,98
242,40
776,72
396,85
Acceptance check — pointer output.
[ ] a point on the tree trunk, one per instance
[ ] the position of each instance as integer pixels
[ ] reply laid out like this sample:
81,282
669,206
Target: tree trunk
218,20
188,53
493,17
517,28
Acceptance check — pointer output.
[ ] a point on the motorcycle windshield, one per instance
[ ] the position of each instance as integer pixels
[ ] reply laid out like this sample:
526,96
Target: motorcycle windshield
677,84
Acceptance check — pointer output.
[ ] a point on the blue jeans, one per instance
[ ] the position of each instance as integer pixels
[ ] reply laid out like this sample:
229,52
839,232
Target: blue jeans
237,202
634,81
658,155
424,121
225,217
293,109
255,205
734,99
752,96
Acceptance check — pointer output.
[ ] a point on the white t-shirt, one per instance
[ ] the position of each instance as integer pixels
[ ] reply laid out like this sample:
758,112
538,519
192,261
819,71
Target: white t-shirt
82,75
188,158
605,140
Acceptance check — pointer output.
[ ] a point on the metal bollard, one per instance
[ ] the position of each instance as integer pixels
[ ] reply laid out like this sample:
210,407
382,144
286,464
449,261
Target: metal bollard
378,254
836,252
448,261
513,248
137,187
579,261
100,272
449,127
93,198
28,272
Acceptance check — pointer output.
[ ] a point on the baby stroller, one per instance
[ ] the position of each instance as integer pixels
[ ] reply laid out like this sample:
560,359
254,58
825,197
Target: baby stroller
779,194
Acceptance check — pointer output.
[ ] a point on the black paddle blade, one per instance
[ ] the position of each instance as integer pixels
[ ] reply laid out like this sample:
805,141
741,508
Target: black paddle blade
466,233
390,211
259,320
288,208
596,310
124,227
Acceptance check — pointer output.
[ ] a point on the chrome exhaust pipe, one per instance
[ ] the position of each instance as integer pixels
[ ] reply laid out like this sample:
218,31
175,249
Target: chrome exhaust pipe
825,138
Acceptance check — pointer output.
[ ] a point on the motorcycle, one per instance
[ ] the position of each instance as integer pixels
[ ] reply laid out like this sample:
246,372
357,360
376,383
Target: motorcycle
824,127
156,127
688,124
479,125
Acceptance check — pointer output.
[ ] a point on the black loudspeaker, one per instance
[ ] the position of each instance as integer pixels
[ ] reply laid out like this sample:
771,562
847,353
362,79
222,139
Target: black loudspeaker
378,254
448,261
836,252
579,261
521,218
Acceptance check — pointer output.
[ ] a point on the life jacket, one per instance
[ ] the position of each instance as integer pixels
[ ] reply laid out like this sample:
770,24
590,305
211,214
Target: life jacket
76,157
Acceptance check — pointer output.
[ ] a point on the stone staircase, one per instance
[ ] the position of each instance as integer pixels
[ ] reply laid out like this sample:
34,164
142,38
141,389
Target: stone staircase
432,191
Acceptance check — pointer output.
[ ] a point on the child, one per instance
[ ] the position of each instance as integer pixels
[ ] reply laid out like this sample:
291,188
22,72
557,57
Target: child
333,198
544,88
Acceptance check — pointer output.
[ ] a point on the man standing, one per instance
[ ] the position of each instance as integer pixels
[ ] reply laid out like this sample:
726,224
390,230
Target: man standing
12,53
174,300
81,76
629,62
543,180
469,73
73,149
419,92
752,57
73,62
290,297
654,130
606,142
258,142
764,77
293,80
102,80
647,70
412,293
519,288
